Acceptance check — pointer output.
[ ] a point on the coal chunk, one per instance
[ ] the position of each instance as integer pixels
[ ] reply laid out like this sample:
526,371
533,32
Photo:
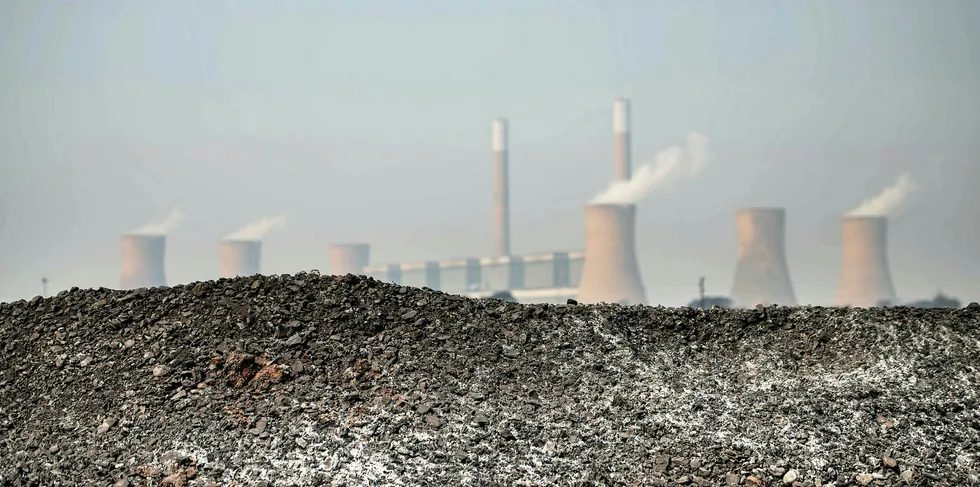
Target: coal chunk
323,380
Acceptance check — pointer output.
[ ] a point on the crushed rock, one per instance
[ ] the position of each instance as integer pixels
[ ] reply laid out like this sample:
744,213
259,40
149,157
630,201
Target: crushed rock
306,380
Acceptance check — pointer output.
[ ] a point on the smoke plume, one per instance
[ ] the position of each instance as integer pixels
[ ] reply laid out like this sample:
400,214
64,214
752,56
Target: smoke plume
162,227
887,200
669,165
257,229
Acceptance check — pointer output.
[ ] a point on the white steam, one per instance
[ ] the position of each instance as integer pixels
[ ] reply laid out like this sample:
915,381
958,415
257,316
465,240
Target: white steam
257,229
669,165
887,200
162,227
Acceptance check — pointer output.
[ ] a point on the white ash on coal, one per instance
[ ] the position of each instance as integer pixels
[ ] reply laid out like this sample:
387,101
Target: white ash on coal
306,380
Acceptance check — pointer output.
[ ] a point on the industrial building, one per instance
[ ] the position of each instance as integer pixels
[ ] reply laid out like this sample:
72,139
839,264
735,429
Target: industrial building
606,271
761,269
612,272
865,277
539,278
613,275
349,258
239,257
551,277
143,261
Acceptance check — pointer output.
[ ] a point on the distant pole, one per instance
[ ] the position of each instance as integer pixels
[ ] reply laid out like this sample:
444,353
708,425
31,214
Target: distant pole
701,290
44,287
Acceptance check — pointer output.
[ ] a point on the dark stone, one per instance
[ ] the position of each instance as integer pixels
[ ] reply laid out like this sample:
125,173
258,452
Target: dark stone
328,374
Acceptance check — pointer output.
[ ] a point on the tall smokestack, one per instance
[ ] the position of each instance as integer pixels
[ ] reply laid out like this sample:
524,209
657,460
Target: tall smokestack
349,259
239,257
761,272
611,272
142,261
501,189
865,278
621,139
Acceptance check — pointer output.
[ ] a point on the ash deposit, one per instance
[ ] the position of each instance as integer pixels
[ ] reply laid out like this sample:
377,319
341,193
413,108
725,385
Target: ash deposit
306,380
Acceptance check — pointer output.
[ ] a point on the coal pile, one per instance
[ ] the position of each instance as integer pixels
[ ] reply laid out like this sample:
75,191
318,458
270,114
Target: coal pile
305,380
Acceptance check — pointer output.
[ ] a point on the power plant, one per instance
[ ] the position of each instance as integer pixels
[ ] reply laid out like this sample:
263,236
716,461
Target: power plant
142,261
239,257
606,271
349,258
865,278
761,272
546,277
611,273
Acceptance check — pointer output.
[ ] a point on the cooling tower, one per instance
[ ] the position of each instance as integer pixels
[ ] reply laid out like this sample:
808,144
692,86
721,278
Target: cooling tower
621,139
611,271
865,278
142,261
761,272
239,257
501,189
349,259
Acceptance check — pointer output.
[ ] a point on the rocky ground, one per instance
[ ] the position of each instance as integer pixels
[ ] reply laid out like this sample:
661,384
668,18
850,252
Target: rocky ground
305,380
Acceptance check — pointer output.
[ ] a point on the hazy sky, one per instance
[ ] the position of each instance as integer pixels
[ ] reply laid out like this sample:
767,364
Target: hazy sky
370,121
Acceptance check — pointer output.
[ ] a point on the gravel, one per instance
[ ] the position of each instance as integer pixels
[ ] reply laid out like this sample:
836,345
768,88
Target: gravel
303,380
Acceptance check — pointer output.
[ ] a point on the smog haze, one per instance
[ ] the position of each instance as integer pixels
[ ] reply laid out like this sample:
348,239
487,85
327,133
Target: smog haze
370,122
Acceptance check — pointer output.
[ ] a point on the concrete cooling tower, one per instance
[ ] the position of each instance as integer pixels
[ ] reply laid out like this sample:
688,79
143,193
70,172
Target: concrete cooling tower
349,259
501,188
761,272
142,261
239,257
621,139
865,278
611,272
